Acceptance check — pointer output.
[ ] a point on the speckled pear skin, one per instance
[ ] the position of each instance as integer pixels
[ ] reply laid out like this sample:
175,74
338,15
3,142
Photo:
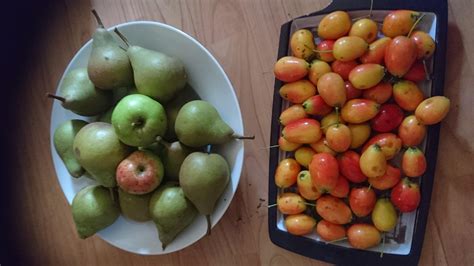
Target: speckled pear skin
63,140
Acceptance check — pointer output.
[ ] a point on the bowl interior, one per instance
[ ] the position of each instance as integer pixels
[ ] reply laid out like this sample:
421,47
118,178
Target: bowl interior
209,80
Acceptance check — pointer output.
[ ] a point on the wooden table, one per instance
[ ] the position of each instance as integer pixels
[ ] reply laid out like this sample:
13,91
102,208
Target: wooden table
243,35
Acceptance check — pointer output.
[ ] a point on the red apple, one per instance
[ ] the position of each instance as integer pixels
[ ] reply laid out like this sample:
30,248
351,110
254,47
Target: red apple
140,173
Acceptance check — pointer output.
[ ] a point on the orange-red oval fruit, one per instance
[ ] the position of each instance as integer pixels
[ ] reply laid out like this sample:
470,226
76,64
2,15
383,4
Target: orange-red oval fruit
400,55
362,201
358,111
297,91
365,28
299,224
372,162
343,68
380,93
291,203
302,44
425,45
411,131
432,110
349,48
333,210
342,188
286,173
366,76
339,137
316,105
363,236
376,52
334,25
388,142
407,95
305,186
391,177
290,68
304,131
331,88
329,231
350,168
413,162
324,171
317,69
291,114
399,22
285,145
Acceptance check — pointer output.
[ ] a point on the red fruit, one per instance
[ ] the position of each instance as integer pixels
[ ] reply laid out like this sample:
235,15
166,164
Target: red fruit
406,195
285,145
358,111
362,201
326,45
331,88
376,52
400,56
424,43
333,210
299,224
329,231
290,68
324,171
391,177
339,137
342,188
413,162
399,22
291,114
316,105
411,131
351,91
416,73
349,167
343,68
388,118
363,236
380,93
407,95
388,142
304,131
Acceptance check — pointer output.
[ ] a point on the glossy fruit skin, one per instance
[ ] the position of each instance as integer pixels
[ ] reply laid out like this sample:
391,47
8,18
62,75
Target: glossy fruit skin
362,201
351,91
416,73
304,131
399,22
366,76
342,188
298,91
391,177
304,155
316,105
365,28
322,146
411,131
333,210
323,46
334,25
349,167
372,162
358,111
425,45
343,68
384,215
376,52
432,110
292,113
388,118
291,203
400,55
360,134
388,142
413,162
329,231
363,236
329,120
302,44
324,171
349,48
406,196
306,187
339,137
299,224
407,95
290,69
380,93
331,88
285,145
317,69
286,173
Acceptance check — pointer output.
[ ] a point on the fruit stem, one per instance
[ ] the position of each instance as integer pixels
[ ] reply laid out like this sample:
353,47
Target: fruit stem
337,240
208,149
159,139
370,186
308,204
272,205
50,95
97,18
208,218
163,246
383,246
124,39
337,115
243,137
427,76
318,51
371,8
270,147
414,25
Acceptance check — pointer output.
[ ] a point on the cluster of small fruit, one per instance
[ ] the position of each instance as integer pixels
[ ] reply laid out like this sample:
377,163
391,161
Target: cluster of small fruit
150,154
347,88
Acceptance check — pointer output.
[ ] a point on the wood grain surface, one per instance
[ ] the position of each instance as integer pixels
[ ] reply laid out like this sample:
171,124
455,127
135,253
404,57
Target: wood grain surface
243,35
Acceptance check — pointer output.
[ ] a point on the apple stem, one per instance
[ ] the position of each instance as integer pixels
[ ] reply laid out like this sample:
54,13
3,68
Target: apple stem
124,39
97,18
208,218
414,25
53,96
243,137
427,76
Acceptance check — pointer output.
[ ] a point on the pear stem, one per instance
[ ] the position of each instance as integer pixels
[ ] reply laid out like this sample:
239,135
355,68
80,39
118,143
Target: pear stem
208,149
53,96
159,139
208,218
97,18
243,137
124,39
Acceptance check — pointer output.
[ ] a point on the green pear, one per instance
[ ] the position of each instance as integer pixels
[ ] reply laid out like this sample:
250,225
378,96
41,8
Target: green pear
79,95
93,209
63,140
109,66
134,207
204,178
99,151
173,155
138,120
172,108
171,212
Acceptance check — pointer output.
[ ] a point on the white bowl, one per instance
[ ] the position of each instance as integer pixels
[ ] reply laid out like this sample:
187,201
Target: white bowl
209,80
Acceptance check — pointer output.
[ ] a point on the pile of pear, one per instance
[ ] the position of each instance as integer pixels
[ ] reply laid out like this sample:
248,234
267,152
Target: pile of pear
137,99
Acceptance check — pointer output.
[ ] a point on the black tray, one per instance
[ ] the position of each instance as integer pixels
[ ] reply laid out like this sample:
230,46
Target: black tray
343,255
